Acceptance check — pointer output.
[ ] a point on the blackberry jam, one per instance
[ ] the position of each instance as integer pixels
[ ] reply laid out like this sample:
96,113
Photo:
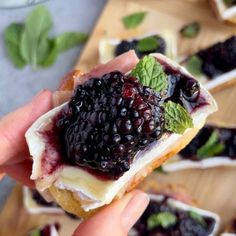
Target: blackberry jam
185,223
226,136
126,45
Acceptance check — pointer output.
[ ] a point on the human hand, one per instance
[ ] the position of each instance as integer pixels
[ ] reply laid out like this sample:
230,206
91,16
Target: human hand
14,155
117,218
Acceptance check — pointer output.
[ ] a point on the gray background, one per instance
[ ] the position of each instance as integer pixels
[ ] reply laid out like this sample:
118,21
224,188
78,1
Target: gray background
18,86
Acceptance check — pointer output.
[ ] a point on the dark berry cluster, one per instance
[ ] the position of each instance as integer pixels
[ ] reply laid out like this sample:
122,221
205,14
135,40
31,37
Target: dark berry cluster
40,200
107,121
184,226
226,137
219,58
125,46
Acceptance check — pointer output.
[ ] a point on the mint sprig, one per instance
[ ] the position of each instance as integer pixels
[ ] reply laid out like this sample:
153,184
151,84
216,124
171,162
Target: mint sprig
197,217
163,219
194,65
177,119
134,20
150,73
147,44
212,147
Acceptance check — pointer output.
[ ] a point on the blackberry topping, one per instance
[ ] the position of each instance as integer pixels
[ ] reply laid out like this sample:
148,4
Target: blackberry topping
107,121
40,200
219,58
125,46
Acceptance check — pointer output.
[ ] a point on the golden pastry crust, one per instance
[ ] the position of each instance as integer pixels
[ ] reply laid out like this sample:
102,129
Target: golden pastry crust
67,200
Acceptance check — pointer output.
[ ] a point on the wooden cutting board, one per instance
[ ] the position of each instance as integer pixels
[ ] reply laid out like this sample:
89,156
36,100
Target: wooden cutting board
214,189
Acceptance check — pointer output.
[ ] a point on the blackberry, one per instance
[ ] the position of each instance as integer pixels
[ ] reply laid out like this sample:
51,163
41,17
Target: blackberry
40,200
189,227
125,46
107,121
219,58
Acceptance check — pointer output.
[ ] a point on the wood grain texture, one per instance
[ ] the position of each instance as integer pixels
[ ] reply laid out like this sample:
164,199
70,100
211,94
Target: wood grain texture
214,189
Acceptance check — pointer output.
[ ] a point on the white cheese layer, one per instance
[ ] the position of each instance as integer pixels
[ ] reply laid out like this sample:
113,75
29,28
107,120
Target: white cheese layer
225,11
107,47
97,192
175,204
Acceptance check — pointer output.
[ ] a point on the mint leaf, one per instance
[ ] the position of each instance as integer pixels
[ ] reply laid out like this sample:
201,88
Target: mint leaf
197,217
194,65
150,73
212,147
34,44
191,30
35,232
147,44
68,40
163,219
134,20
51,55
177,119
12,35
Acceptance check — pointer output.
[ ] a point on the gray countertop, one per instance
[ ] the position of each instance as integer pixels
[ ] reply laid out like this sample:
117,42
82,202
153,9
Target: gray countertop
19,86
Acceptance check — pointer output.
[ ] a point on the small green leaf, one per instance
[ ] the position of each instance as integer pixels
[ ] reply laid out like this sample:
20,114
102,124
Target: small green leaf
191,30
12,35
68,40
35,232
147,44
34,44
150,73
212,147
134,20
52,55
194,65
177,119
163,219
197,217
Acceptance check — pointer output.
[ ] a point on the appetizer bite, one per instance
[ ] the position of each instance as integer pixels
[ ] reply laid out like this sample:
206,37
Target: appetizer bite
124,119
34,203
225,9
214,66
171,212
47,230
213,146
164,43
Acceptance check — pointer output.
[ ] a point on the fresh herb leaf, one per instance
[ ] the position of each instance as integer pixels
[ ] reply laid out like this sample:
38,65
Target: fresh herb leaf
194,65
212,147
191,30
177,119
134,20
35,232
34,44
150,73
160,170
147,44
197,217
163,219
68,40
12,35
51,55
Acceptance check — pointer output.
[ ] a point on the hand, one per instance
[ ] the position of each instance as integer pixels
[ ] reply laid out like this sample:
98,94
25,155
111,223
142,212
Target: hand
116,219
14,155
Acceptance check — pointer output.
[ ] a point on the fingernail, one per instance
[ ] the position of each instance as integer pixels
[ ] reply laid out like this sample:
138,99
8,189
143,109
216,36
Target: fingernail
134,210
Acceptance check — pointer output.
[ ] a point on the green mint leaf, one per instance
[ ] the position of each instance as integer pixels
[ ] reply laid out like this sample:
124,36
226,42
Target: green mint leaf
197,217
52,55
134,20
12,35
177,119
34,44
160,170
163,219
194,65
212,147
68,40
150,73
35,232
191,30
147,44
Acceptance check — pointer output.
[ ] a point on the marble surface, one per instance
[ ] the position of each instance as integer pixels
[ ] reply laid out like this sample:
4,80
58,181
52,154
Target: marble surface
19,86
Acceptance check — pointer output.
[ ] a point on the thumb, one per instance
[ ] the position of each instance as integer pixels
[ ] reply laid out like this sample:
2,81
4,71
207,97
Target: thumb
116,219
